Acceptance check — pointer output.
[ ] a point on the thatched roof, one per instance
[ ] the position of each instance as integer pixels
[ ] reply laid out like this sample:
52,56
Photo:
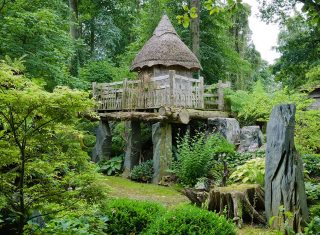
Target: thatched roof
165,48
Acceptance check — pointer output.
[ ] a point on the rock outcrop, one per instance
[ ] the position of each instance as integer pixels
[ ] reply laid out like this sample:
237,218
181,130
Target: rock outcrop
227,127
250,139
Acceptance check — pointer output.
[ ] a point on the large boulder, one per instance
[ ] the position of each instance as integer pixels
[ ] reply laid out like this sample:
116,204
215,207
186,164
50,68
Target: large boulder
102,149
227,127
284,185
250,139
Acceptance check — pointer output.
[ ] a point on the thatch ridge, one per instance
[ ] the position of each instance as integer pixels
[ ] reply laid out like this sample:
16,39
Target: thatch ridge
165,48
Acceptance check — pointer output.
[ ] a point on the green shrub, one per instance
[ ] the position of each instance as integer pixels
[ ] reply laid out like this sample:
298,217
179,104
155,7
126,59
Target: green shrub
312,191
142,172
130,216
191,220
311,164
250,172
313,227
112,166
198,157
315,210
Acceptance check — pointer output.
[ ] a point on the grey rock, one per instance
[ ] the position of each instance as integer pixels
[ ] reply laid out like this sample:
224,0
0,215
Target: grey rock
251,139
227,127
162,150
133,146
284,170
102,149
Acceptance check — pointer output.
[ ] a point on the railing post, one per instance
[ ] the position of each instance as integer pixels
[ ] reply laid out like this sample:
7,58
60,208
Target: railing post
94,85
124,94
201,92
172,74
220,96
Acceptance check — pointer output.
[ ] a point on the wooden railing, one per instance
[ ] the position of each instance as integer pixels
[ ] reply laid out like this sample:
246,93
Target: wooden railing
168,90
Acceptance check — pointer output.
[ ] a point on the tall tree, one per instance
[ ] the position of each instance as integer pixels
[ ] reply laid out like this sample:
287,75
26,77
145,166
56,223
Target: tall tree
195,27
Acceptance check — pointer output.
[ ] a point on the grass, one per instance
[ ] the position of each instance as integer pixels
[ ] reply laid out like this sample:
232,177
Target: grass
124,188
168,196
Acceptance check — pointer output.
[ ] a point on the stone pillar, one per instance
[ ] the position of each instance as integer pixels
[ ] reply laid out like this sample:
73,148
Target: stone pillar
133,146
102,149
284,185
162,149
229,128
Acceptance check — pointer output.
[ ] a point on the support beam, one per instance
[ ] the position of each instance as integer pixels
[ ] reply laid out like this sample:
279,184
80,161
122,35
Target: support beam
162,149
102,149
133,146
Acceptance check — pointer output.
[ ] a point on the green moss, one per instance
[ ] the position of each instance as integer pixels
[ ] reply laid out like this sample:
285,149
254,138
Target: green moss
236,187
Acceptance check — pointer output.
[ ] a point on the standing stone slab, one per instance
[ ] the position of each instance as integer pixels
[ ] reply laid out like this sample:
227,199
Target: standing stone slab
284,183
102,149
162,149
227,127
250,139
133,146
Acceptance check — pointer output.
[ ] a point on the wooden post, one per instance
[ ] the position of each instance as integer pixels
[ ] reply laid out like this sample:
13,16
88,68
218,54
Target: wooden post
172,74
94,85
201,92
220,96
124,94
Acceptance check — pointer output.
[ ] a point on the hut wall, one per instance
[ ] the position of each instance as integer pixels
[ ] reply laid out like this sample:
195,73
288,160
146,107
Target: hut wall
160,70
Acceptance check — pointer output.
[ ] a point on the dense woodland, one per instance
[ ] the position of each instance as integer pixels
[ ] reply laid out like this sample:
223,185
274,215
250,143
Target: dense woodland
51,52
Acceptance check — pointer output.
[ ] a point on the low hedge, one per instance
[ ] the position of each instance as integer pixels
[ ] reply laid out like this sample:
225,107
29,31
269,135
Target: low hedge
126,216
187,220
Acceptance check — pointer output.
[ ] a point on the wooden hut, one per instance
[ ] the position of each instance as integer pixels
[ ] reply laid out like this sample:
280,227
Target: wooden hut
163,52
164,93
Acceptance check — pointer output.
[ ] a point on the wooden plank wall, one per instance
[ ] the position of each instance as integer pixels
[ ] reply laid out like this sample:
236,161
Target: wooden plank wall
168,90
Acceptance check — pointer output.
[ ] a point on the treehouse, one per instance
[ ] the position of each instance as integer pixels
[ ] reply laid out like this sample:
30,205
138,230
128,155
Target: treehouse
167,90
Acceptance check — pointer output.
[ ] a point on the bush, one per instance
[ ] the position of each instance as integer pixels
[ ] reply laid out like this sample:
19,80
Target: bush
191,220
311,164
250,172
312,191
198,155
130,216
112,166
143,172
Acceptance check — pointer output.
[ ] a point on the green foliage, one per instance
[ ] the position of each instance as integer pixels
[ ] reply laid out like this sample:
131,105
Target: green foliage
42,160
283,221
311,164
142,172
130,216
250,172
85,220
102,71
313,227
38,31
198,156
313,192
191,220
112,166
257,106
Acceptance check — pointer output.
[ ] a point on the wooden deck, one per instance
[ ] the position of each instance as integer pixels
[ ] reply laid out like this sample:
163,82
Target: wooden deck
169,90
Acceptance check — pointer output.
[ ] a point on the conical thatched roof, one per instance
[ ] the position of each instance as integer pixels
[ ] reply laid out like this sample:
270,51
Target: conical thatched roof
165,48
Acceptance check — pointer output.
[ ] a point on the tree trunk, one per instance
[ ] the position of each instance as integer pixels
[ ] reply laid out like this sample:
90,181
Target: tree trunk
241,202
195,29
92,36
74,33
